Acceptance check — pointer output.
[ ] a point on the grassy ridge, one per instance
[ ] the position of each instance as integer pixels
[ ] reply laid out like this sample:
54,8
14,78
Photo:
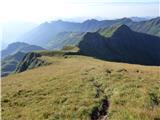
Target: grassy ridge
108,32
70,88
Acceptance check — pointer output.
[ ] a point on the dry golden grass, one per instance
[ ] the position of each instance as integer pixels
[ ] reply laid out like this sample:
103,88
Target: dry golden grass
64,90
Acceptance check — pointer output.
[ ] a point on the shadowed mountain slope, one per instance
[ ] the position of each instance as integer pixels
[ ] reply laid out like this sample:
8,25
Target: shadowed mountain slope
124,45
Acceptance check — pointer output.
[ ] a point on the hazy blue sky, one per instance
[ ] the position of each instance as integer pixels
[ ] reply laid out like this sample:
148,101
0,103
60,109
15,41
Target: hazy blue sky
42,10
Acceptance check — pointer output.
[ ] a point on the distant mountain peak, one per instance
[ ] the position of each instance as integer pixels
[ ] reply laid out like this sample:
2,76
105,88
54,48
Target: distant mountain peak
19,46
126,19
44,24
90,21
59,20
19,43
15,44
122,29
118,29
123,45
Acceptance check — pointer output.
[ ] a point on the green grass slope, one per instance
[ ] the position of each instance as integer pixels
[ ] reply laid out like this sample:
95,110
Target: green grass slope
151,27
108,32
82,88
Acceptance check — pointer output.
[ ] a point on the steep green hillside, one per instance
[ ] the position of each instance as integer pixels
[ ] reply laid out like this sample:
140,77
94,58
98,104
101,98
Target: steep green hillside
82,88
108,32
150,27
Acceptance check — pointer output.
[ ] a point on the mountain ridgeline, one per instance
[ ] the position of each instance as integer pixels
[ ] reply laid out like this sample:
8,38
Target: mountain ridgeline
123,45
118,43
45,34
121,40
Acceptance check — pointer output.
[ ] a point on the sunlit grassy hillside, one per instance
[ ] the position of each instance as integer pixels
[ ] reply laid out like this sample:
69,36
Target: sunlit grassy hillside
82,88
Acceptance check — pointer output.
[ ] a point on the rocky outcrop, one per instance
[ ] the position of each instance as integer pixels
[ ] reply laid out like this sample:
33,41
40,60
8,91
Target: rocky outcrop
8,65
30,60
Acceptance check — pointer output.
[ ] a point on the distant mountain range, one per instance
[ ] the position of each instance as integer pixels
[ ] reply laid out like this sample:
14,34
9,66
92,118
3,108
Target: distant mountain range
46,34
151,27
64,39
122,45
119,40
19,47
138,19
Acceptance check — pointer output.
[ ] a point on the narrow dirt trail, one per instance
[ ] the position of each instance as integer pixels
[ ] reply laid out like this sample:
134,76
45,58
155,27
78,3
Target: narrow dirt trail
100,112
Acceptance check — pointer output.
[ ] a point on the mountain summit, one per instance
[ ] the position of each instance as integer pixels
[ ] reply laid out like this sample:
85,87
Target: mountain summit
124,45
122,28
